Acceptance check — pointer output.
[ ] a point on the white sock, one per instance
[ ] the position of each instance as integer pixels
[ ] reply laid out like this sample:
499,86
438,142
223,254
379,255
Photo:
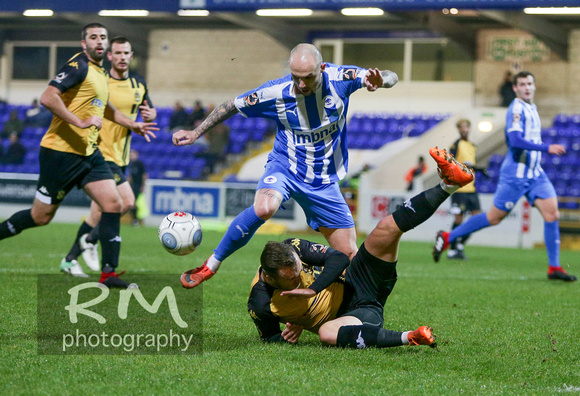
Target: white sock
213,264
404,338
449,188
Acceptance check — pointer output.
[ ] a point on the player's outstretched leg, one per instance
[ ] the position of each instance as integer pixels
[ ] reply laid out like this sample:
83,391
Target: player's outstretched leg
453,173
450,170
364,336
17,223
239,233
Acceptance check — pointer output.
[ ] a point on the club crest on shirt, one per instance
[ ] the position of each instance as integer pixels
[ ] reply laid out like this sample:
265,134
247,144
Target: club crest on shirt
270,180
329,102
517,117
137,97
252,99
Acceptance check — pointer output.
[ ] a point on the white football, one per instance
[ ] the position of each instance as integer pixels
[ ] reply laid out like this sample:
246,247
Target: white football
180,233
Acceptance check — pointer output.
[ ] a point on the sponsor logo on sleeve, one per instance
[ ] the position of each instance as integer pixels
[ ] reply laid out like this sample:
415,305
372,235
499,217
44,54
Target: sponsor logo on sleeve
252,99
317,247
349,74
59,77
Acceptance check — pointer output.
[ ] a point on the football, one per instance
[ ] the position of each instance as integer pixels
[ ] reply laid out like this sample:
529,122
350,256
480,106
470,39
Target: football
180,233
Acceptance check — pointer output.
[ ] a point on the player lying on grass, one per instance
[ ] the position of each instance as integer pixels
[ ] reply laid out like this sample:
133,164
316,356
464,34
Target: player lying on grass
310,286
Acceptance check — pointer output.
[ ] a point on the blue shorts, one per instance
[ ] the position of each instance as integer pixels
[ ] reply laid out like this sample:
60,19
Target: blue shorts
510,190
324,205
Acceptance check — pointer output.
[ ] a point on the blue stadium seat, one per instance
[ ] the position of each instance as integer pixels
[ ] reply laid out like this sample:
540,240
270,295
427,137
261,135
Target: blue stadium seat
354,124
560,120
258,135
561,187
368,126
235,122
573,191
574,120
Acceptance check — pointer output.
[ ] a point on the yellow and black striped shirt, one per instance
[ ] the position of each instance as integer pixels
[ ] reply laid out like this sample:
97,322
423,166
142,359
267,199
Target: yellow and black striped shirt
85,92
464,152
126,95
323,271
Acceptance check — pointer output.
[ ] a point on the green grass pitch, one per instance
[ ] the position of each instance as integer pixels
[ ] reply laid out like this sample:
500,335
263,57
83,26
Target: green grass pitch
501,326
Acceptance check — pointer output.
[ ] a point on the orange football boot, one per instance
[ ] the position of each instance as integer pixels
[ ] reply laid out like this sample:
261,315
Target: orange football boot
192,278
449,169
422,336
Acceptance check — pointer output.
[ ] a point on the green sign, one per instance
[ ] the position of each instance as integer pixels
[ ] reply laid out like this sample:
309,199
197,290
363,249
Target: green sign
517,49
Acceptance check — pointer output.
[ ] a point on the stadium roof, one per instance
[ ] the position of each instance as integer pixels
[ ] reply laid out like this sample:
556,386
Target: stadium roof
435,16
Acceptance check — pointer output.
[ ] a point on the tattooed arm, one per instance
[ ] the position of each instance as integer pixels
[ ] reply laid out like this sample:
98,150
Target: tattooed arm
376,78
219,115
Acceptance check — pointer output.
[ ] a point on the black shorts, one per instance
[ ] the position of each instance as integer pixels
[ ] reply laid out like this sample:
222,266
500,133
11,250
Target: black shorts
368,282
464,202
118,172
60,172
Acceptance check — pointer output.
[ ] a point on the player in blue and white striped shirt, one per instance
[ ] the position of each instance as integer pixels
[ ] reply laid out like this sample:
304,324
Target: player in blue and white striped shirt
310,150
521,175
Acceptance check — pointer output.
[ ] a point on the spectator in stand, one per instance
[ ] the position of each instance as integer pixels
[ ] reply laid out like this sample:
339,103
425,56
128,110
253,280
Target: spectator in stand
179,118
14,124
197,115
218,139
37,115
506,90
15,152
415,171
34,110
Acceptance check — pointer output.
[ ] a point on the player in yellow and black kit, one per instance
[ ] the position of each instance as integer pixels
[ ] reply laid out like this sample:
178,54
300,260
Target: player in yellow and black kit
129,94
309,286
466,199
78,98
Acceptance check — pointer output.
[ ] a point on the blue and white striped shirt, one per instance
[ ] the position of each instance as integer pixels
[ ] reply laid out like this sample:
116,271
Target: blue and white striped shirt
523,118
311,136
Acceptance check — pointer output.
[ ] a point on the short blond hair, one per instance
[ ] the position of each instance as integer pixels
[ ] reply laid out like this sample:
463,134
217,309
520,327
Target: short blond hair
461,121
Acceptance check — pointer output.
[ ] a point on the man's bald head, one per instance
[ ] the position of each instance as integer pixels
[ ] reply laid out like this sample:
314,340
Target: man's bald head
306,67
306,53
